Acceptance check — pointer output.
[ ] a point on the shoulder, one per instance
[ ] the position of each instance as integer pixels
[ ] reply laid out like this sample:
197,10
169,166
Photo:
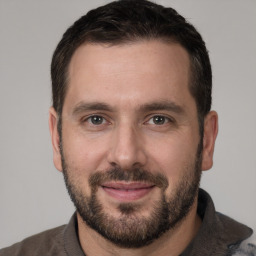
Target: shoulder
49,242
246,247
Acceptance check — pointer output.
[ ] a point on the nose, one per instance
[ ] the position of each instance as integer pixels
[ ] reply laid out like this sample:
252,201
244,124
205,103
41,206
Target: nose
126,150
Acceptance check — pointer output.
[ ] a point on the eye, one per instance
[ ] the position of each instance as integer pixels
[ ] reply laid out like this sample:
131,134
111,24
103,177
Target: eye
159,120
96,120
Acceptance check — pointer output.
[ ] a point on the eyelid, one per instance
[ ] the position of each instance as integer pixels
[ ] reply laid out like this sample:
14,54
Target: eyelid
170,119
90,118
106,119
87,117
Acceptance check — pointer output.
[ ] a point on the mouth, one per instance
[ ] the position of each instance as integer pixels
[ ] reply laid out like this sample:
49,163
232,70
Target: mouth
125,192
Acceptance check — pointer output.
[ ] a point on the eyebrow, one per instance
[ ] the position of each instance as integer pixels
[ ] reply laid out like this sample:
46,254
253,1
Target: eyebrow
83,107
162,105
148,107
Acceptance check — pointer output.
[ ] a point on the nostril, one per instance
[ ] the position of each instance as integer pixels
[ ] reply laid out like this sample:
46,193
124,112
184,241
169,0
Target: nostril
114,165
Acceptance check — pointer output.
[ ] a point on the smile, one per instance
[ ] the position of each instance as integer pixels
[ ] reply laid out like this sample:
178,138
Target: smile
127,191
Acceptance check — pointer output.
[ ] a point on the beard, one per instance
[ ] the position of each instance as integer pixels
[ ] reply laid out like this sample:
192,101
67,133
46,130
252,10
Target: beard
131,229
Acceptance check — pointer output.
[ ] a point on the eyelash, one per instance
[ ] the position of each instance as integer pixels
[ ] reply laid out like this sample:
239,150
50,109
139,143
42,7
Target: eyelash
104,120
166,119
90,119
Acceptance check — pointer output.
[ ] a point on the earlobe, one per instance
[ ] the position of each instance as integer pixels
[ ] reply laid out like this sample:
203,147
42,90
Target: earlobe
210,134
53,126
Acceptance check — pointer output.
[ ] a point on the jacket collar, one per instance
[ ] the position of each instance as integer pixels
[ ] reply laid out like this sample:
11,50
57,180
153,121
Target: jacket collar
218,233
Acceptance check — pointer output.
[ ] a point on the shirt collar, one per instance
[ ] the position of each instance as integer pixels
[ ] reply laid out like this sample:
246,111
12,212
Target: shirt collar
71,241
217,233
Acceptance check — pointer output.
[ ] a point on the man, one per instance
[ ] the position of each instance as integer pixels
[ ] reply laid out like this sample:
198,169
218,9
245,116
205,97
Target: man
131,131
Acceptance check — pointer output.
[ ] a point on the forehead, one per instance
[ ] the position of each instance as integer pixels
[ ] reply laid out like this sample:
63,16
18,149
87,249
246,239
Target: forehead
146,68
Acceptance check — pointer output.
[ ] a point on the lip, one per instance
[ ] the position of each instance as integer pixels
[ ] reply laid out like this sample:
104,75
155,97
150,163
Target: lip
127,191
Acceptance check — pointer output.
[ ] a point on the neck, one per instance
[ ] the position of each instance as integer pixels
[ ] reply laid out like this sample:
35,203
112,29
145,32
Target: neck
172,243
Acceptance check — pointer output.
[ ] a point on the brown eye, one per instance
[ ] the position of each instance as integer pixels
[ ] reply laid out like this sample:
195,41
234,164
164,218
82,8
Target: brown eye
159,120
96,120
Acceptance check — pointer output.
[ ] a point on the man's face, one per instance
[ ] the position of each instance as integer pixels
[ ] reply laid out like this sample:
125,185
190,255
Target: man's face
130,144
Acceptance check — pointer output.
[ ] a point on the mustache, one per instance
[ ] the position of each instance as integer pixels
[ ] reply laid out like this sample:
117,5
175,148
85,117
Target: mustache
129,175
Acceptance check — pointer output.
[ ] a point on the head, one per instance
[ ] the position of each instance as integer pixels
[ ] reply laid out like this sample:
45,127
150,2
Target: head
130,123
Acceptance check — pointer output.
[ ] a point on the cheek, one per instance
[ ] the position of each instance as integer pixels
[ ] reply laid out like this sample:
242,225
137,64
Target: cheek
83,155
174,157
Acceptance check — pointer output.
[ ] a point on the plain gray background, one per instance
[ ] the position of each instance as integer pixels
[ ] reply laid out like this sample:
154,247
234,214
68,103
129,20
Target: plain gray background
32,193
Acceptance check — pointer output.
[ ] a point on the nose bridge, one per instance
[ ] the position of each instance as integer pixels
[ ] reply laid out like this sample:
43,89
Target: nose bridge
126,148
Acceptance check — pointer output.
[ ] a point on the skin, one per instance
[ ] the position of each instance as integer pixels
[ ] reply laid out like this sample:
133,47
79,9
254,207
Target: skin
126,78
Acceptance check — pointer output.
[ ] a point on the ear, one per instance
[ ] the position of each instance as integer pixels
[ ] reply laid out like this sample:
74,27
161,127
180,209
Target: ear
210,134
53,125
